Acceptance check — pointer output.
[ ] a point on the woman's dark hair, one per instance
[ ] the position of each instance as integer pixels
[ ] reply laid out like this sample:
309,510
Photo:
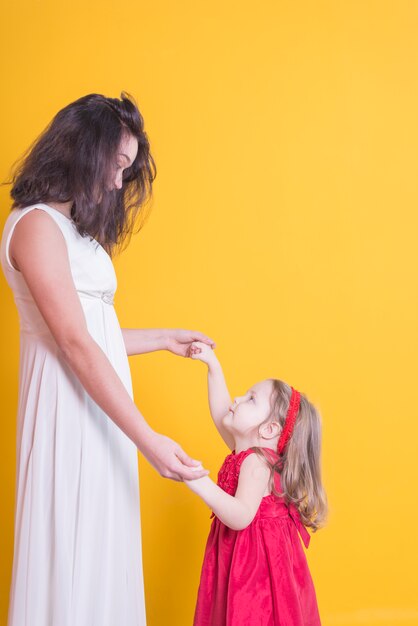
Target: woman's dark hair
73,159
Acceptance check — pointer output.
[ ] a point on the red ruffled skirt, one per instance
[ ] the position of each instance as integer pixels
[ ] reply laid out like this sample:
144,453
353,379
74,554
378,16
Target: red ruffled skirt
258,576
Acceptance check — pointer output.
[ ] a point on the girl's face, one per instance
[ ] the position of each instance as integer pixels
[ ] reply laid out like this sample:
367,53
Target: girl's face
250,410
125,156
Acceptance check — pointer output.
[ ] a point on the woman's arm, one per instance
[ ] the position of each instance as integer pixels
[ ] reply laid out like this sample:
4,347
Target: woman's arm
237,511
176,340
143,340
218,394
54,293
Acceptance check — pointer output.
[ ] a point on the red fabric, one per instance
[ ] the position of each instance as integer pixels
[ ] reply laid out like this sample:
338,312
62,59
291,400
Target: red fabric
258,576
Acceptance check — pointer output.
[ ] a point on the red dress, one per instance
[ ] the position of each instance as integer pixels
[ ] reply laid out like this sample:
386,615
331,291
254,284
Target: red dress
257,576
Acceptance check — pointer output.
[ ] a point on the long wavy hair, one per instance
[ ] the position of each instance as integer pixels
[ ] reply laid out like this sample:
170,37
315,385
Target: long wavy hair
73,160
299,466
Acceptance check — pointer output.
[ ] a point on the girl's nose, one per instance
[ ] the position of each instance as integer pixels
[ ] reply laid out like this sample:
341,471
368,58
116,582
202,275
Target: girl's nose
236,401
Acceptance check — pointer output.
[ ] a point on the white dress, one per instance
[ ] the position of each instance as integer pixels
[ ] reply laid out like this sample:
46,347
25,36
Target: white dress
77,538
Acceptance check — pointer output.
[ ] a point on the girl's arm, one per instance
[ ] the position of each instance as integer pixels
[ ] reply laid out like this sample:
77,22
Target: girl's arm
178,341
237,511
218,394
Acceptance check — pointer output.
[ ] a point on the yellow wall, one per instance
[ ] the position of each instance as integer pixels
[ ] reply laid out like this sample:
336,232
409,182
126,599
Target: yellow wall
284,225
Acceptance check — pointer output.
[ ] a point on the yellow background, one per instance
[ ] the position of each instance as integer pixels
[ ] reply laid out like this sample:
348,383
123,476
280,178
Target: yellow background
284,225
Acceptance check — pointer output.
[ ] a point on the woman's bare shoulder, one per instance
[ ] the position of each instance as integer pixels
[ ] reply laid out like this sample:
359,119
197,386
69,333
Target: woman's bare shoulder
33,228
39,248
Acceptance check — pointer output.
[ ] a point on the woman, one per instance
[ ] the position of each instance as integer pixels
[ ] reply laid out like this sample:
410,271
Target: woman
77,552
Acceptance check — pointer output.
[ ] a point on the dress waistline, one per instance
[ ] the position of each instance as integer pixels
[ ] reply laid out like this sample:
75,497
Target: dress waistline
105,296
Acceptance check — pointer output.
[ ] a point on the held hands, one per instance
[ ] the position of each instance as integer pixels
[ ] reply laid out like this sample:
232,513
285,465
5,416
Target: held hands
202,352
179,341
169,459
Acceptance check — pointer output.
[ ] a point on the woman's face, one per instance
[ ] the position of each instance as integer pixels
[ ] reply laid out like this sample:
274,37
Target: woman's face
125,156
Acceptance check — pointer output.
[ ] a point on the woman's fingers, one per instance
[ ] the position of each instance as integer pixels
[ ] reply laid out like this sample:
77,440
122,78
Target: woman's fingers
186,459
188,468
205,339
175,477
170,460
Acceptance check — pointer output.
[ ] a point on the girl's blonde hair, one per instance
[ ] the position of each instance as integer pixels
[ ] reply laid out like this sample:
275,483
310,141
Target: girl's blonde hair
299,466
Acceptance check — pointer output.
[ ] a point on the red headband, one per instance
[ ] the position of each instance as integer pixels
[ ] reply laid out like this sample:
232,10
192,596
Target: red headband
290,420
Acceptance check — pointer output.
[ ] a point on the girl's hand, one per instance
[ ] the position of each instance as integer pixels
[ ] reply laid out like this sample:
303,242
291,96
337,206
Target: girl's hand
179,341
202,352
169,459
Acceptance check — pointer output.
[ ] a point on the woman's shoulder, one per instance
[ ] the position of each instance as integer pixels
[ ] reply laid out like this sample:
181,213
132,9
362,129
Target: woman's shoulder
25,230
36,217
39,209
29,222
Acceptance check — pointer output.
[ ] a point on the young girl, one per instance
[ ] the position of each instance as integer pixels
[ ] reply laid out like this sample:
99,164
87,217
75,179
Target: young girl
269,489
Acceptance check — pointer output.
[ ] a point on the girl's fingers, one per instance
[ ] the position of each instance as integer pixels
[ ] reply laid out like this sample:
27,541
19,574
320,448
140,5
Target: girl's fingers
191,475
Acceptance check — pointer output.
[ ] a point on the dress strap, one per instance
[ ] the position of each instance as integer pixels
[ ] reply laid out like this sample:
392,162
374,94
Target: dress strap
241,456
271,454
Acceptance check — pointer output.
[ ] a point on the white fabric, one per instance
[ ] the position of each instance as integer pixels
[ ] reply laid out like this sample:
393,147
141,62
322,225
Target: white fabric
77,537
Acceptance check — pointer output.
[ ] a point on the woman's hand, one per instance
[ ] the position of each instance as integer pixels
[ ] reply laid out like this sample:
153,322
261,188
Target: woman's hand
179,341
169,459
